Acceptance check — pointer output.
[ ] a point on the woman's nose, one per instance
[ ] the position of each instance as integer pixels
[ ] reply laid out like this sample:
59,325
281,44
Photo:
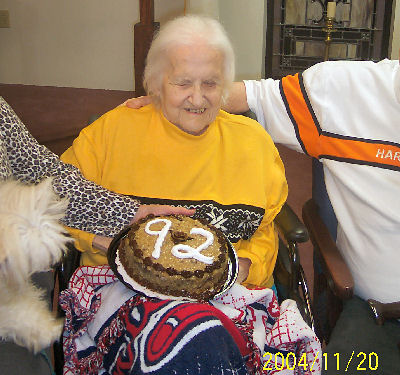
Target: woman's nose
196,96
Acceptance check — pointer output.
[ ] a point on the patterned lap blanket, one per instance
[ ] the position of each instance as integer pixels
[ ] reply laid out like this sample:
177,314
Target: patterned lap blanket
110,329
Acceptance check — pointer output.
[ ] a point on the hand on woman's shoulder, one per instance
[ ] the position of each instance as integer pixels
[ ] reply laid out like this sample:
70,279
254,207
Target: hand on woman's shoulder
136,103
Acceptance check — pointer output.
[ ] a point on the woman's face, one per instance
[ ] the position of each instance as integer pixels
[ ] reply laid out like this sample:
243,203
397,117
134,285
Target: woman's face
192,86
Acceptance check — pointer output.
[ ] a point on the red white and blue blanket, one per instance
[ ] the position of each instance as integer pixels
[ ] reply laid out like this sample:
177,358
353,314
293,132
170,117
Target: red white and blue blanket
110,329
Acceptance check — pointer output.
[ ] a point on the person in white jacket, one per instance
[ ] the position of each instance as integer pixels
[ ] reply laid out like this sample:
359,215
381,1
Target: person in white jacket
346,114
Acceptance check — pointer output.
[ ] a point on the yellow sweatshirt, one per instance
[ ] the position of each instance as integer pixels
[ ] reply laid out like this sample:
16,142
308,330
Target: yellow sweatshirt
231,174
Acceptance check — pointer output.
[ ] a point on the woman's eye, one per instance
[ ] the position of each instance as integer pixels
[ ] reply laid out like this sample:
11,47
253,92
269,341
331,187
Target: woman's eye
210,83
183,84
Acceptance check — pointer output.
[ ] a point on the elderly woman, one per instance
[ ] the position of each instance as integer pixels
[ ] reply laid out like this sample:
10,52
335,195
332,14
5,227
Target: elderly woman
182,150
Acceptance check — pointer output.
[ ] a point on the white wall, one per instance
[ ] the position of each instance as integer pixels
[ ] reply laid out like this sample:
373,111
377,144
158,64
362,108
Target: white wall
70,43
245,22
89,43
207,7
73,43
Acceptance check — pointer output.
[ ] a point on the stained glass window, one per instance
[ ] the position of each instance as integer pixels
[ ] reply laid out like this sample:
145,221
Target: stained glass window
296,37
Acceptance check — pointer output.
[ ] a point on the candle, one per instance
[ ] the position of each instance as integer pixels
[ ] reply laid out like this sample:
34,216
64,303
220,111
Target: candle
331,11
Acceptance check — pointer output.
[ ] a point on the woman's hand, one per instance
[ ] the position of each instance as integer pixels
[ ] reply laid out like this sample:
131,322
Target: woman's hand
158,210
244,268
136,103
101,243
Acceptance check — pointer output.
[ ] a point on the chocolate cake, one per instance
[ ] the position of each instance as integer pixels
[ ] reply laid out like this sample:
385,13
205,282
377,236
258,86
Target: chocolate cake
174,256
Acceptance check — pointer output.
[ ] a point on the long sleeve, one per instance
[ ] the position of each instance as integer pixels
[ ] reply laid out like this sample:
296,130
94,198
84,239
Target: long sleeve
88,154
91,207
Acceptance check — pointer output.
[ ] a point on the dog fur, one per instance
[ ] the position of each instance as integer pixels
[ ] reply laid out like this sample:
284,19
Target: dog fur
31,240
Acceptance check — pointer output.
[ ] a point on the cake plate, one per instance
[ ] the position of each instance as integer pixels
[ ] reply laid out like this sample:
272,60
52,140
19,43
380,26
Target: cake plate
116,267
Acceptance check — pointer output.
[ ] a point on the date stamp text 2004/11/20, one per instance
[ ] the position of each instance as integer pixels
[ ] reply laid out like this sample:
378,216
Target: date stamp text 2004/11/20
288,361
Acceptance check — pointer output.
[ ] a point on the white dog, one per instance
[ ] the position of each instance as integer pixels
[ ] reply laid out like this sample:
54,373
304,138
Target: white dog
31,240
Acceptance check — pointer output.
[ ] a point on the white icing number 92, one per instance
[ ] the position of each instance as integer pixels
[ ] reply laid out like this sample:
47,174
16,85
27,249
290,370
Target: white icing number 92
180,251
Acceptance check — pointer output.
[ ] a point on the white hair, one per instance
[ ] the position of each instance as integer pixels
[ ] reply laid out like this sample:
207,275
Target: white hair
187,30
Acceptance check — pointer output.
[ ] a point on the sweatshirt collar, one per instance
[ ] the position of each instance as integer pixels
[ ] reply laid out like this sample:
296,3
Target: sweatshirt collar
173,130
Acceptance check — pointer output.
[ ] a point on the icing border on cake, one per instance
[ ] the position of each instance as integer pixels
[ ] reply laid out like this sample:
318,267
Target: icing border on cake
140,288
231,279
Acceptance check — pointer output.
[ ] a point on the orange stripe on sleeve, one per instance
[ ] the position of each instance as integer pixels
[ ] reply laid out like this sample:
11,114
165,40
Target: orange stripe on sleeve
301,115
320,144
363,151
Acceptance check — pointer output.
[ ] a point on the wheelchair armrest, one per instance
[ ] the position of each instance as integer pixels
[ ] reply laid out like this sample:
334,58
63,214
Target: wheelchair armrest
69,263
290,226
335,269
289,275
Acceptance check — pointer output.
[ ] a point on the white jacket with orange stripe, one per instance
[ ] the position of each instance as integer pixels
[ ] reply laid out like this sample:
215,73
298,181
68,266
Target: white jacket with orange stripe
347,114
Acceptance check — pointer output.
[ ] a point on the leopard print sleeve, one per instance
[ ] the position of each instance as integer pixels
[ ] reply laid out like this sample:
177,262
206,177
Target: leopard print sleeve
91,208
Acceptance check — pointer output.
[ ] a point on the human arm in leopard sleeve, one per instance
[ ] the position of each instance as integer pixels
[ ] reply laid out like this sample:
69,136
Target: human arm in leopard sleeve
91,207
